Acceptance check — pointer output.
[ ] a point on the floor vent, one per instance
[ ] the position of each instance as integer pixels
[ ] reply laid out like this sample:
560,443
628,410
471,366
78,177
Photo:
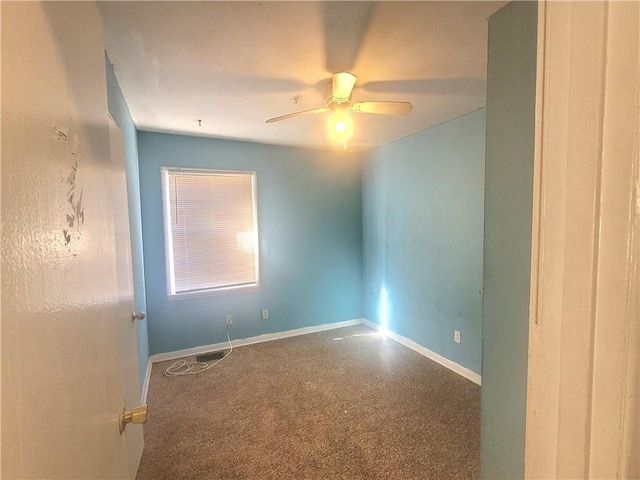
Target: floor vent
207,357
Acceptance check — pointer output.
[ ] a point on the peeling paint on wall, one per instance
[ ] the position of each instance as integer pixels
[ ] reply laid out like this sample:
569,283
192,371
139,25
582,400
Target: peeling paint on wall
76,218
75,215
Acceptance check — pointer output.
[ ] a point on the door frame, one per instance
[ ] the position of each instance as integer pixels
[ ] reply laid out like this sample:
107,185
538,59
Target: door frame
582,392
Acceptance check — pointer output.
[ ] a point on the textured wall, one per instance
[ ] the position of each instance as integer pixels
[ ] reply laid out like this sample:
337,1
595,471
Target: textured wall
120,113
423,222
507,250
309,216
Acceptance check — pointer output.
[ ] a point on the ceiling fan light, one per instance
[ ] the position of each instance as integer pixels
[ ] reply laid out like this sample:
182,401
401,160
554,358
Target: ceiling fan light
339,127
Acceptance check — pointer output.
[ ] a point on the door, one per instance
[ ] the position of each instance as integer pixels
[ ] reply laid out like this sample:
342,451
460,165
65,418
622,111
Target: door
68,351
126,304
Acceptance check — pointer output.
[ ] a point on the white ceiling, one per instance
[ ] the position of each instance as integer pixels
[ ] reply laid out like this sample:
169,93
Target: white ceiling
235,64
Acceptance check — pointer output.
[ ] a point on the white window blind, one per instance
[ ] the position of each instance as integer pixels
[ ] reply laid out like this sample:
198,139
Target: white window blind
210,230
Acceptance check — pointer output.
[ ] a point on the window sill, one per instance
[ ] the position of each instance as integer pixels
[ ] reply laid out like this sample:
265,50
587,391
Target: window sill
213,293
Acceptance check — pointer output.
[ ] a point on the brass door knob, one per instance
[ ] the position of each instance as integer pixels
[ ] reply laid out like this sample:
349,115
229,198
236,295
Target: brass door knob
138,315
137,415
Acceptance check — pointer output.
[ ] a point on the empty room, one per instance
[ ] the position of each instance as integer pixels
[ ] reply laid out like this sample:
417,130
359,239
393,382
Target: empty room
319,240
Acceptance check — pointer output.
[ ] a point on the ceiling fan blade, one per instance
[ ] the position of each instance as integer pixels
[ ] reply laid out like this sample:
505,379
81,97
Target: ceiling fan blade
291,115
385,108
342,86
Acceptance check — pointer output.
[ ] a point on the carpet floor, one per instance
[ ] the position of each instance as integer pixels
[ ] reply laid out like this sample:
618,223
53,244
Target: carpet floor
340,404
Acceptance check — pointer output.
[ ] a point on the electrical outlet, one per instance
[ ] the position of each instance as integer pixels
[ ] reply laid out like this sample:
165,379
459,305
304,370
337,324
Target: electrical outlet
265,314
229,319
456,336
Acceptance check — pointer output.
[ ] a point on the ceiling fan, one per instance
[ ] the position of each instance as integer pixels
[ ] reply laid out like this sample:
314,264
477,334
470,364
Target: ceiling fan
337,96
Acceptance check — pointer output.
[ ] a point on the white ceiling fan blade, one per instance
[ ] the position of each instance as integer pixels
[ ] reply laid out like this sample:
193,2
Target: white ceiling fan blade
291,115
385,108
342,86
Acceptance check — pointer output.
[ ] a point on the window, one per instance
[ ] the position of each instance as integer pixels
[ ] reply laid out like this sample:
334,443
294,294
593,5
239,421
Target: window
211,231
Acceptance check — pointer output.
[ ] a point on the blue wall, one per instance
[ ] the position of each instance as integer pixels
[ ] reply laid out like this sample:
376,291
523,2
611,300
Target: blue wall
423,228
120,113
507,251
310,227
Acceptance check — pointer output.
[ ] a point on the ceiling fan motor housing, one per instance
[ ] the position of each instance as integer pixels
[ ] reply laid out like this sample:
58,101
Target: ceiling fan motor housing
332,101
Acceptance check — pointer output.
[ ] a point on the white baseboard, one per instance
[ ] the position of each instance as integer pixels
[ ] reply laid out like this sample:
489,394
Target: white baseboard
188,352
456,367
145,384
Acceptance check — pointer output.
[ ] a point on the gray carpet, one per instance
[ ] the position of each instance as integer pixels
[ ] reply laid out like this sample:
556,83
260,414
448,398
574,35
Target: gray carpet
340,404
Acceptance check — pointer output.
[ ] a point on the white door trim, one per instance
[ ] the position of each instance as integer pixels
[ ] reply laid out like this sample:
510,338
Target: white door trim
582,395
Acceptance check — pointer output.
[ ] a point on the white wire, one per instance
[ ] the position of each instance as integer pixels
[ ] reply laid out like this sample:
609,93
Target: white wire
183,367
